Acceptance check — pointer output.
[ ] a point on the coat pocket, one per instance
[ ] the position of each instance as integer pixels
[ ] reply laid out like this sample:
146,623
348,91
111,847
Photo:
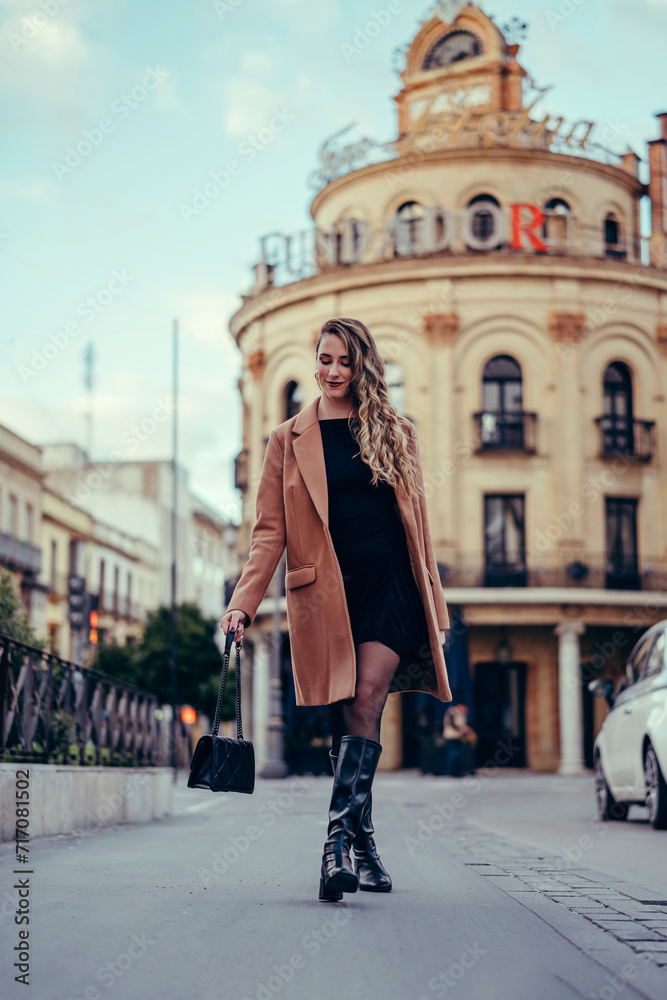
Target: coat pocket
299,576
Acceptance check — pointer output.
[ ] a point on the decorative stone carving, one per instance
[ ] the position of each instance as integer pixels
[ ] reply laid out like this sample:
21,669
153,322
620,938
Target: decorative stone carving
566,327
441,328
661,333
256,363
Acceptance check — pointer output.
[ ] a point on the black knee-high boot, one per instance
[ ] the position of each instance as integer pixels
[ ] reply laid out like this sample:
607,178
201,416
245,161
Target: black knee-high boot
355,769
372,875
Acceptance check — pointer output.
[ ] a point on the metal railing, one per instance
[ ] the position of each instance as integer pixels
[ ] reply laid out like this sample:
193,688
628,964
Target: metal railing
514,431
551,569
110,603
289,257
19,554
53,711
626,436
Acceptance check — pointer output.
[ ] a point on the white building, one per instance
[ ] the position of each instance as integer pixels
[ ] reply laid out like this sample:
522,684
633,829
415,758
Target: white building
21,521
136,497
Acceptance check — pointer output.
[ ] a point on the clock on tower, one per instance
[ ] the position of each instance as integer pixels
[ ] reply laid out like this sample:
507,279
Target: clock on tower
452,48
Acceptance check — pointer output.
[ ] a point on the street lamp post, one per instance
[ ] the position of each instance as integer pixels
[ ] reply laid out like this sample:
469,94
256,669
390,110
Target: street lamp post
174,536
275,766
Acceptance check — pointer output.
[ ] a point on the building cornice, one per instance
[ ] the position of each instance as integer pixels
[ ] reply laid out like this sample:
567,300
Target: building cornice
413,160
441,267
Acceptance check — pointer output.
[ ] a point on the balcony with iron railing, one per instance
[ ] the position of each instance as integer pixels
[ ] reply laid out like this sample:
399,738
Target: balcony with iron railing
111,603
496,431
18,554
626,436
286,258
549,569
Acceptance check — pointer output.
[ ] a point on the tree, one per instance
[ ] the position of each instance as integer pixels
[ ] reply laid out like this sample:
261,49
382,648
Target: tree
198,661
119,662
14,622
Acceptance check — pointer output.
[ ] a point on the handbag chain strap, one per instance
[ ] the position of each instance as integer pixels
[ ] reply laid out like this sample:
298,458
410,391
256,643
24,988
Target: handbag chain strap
221,690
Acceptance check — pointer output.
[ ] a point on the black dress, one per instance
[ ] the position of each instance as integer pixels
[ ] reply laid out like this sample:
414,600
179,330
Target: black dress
368,535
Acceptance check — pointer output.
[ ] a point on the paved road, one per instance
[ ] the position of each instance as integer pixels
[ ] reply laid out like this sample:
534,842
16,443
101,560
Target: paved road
490,899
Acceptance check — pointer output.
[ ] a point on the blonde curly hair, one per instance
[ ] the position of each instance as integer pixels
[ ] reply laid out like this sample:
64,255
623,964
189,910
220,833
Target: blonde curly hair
380,431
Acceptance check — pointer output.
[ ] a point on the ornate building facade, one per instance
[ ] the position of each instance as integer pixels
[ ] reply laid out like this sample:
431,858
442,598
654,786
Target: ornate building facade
496,255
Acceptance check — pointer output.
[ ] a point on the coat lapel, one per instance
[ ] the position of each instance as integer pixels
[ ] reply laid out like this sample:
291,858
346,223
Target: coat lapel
309,455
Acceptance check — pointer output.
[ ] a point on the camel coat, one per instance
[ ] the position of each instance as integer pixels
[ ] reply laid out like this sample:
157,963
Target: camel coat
292,511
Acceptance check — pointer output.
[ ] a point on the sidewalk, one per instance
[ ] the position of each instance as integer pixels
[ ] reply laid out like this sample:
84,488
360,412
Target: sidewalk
221,897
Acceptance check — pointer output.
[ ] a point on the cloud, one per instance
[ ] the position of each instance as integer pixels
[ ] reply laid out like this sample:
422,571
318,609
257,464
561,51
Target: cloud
26,190
49,65
303,16
247,104
166,97
205,318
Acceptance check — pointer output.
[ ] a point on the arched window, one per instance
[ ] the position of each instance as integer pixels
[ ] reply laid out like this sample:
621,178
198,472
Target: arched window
409,218
393,374
613,247
482,223
617,422
292,399
501,419
502,385
556,221
350,239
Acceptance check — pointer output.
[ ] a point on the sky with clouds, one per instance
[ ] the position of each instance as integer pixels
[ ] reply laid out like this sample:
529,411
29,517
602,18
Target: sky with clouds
95,244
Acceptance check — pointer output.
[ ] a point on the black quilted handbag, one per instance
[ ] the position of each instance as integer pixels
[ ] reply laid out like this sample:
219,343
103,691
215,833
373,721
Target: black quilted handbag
221,764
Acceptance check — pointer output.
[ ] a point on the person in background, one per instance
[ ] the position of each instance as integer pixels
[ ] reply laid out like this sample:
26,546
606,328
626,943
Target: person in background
459,735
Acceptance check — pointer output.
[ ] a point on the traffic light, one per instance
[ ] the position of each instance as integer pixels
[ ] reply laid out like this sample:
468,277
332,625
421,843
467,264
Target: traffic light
93,601
76,600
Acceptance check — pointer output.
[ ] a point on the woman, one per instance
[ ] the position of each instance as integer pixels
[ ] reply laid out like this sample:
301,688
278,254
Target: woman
342,487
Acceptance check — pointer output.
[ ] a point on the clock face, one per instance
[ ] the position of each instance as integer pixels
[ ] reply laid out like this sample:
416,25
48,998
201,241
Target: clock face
454,47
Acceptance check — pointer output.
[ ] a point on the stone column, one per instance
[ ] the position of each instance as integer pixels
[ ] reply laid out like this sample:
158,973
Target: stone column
570,709
441,330
260,698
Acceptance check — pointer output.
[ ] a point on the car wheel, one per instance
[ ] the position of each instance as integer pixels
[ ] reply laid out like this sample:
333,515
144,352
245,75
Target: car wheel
656,791
608,807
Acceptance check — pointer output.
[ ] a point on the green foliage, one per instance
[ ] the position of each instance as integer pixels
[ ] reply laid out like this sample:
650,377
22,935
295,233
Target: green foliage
198,661
61,730
14,622
119,662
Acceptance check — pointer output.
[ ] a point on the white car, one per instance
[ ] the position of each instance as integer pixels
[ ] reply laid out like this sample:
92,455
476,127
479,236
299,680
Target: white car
631,748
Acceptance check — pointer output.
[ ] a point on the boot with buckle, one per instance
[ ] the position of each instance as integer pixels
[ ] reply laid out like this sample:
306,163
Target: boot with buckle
372,875
355,769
